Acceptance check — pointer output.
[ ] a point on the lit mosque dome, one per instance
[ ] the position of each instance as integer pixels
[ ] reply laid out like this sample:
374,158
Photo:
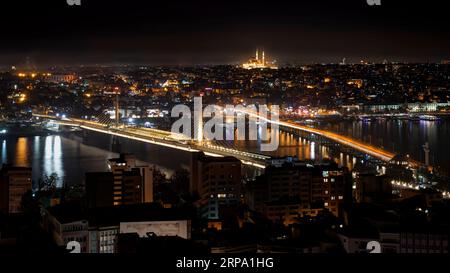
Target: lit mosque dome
259,63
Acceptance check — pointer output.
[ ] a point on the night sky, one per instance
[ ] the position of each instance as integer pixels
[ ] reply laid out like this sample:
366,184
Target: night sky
219,31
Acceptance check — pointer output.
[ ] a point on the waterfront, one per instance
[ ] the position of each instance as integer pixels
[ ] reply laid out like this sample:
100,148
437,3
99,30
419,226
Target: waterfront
70,155
401,136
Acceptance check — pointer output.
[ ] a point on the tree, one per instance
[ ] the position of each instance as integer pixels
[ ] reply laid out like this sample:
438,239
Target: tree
48,183
180,180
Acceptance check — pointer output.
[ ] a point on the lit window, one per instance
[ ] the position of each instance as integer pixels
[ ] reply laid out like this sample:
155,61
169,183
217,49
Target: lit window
326,192
333,197
325,180
326,204
332,180
340,197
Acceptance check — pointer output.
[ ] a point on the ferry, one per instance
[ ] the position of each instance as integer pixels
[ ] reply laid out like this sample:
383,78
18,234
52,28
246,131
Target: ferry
366,118
428,118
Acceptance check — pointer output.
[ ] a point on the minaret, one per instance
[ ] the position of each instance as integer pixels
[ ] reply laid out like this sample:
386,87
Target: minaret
257,57
263,58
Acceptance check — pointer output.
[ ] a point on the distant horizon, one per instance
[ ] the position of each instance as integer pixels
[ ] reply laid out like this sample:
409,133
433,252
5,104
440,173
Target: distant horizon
284,64
195,60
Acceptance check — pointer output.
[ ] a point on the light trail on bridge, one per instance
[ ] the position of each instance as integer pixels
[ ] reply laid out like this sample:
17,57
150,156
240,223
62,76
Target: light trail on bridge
162,138
355,144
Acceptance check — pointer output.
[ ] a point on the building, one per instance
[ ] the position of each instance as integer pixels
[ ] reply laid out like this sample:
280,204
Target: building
127,162
118,167
371,187
61,78
180,228
356,240
106,189
296,189
259,62
256,193
425,241
288,211
66,224
399,227
131,188
410,107
217,180
103,239
14,183
396,240
126,184
99,189
429,196
97,229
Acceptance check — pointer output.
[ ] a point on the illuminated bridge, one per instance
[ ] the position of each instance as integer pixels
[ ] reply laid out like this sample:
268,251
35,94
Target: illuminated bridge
160,137
357,145
181,142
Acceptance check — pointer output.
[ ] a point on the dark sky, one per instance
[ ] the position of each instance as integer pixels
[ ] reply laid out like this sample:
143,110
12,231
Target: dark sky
221,31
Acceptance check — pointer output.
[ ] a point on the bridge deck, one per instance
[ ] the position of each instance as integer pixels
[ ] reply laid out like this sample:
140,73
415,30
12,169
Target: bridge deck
162,138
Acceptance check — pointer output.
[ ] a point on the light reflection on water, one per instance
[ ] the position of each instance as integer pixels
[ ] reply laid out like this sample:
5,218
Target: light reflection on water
400,136
293,145
53,157
21,158
67,158
71,158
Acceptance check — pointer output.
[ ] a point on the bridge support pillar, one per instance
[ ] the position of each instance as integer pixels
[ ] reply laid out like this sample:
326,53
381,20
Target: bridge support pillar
115,145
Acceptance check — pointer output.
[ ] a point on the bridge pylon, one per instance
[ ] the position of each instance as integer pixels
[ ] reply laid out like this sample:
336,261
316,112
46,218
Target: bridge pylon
116,147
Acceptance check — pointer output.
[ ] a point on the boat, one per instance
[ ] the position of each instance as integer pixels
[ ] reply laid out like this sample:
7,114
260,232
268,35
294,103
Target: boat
428,118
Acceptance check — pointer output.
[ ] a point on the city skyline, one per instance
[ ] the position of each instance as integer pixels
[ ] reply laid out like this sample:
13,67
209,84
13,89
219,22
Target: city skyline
251,128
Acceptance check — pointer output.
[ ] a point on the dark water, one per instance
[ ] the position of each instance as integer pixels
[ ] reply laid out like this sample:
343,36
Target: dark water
53,154
71,155
397,136
402,136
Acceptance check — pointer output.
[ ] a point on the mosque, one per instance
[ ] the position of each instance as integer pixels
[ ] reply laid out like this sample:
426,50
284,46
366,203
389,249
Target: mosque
257,62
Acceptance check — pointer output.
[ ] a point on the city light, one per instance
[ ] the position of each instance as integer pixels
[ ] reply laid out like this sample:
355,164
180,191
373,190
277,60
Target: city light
215,132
